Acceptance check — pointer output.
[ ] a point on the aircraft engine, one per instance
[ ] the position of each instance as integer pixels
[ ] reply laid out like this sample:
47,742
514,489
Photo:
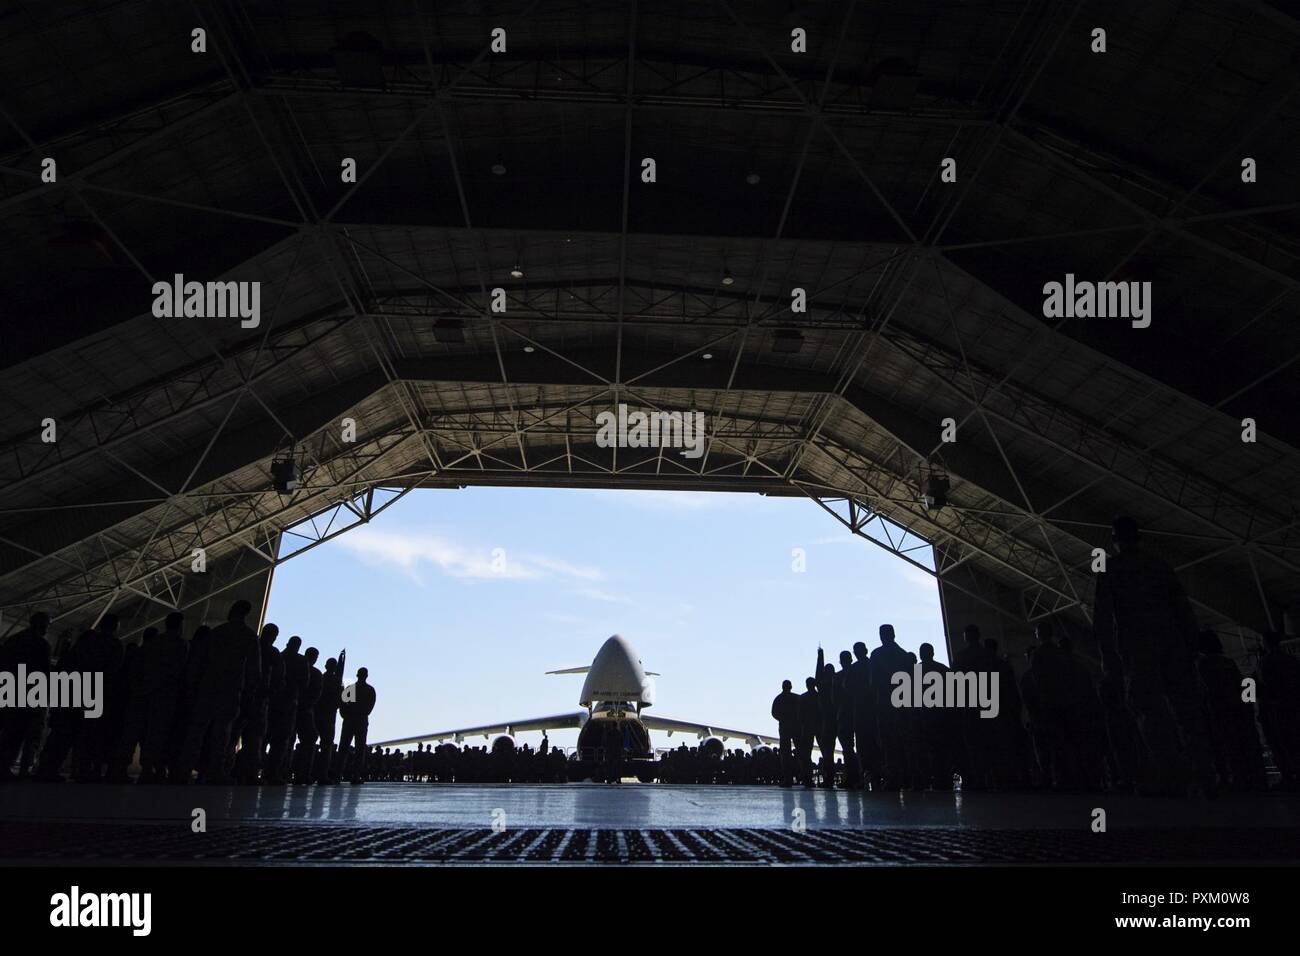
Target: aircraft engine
712,747
503,744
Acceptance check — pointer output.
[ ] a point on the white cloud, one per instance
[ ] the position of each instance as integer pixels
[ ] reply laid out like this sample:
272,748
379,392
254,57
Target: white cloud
410,552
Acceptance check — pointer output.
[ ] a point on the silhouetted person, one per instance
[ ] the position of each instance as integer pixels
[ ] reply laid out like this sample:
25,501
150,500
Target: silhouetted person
809,717
282,713
1012,753
1037,719
124,685
102,653
306,723
1143,614
863,699
1052,688
233,662
1085,722
358,702
251,728
844,722
1279,706
937,731
785,711
96,651
327,711
1232,719
154,690
30,649
827,718
1125,756
975,753
887,660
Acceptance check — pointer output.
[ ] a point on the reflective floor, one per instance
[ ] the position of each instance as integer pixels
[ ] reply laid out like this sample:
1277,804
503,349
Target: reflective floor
598,806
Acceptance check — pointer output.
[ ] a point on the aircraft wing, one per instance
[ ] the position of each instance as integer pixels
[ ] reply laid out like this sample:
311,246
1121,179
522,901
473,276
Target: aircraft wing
573,719
655,722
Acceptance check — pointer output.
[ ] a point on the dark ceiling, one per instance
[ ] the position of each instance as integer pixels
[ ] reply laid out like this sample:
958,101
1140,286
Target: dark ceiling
776,169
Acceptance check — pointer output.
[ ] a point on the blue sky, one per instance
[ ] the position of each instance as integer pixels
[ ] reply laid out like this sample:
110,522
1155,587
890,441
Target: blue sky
457,633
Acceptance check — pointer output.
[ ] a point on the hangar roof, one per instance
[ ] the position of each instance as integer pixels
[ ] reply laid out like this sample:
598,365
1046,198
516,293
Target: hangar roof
774,170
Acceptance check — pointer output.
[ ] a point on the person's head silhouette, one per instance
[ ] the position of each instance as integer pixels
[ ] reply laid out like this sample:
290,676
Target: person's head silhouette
810,683
312,655
927,652
362,674
860,650
971,635
785,689
39,623
886,634
174,623
239,610
295,642
269,633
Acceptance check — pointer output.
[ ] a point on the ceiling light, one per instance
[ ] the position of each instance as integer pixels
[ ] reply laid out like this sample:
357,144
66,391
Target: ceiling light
728,279
285,475
707,355
517,273
934,492
498,169
529,348
753,179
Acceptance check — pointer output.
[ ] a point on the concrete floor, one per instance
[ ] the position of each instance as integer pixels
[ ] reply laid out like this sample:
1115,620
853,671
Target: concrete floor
629,806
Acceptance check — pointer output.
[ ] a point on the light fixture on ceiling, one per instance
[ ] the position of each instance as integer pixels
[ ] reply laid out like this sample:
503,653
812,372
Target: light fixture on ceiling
707,355
753,178
498,168
285,474
529,349
727,277
516,272
934,488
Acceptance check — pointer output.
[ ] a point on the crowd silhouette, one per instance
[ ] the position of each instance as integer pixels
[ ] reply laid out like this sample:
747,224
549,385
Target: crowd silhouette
1168,714
224,707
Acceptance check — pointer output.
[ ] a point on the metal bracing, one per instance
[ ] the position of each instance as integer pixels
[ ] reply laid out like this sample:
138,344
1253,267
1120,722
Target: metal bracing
860,519
228,523
503,432
274,546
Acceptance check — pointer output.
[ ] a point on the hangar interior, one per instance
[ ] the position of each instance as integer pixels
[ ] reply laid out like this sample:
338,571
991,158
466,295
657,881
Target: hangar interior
773,171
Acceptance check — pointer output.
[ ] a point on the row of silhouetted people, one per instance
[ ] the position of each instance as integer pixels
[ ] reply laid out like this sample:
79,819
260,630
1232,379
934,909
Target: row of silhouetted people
450,763
226,703
1169,713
